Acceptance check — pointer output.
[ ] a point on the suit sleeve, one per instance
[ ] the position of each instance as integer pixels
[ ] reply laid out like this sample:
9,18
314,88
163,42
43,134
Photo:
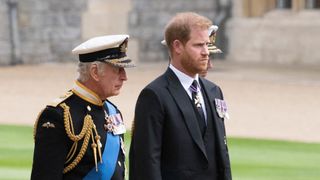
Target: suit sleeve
225,154
50,147
145,150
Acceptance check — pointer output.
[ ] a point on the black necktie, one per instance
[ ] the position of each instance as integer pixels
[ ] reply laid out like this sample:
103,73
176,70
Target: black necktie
195,93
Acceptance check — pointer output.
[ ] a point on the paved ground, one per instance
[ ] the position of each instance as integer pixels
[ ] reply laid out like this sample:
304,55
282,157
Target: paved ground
264,101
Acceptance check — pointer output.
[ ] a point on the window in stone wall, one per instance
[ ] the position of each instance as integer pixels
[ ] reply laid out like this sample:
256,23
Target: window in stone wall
312,4
284,4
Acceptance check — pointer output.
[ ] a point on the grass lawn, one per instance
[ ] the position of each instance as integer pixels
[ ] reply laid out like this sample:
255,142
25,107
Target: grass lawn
254,159
251,159
16,151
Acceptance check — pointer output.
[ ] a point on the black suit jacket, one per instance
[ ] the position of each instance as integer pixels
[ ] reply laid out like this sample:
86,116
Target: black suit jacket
167,142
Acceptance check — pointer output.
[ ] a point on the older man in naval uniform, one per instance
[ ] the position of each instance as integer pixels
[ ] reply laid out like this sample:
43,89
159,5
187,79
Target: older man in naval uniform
80,134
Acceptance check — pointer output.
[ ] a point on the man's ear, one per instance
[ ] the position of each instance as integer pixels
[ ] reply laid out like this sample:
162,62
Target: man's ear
177,46
94,72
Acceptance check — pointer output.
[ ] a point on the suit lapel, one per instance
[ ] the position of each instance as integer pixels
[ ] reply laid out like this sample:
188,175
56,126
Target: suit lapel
212,94
182,99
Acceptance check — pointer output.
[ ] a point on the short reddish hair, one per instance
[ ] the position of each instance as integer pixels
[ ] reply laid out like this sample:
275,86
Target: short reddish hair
179,27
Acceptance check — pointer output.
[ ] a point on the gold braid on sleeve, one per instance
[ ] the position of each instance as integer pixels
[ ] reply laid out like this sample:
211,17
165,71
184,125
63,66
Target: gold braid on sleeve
85,134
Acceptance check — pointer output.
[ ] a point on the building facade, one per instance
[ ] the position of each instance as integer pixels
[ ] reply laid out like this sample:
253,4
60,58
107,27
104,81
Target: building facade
275,31
259,31
148,18
35,31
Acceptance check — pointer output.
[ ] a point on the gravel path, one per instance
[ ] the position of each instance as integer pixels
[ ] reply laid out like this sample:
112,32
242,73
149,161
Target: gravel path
264,101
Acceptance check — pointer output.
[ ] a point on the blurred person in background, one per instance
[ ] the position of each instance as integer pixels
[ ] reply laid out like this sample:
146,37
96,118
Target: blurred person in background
212,32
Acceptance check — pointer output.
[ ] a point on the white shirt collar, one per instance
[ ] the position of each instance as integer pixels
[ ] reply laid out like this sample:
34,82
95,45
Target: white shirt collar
186,82
184,79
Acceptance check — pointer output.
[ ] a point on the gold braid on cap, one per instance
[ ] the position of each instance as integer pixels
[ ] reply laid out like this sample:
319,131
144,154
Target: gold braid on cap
85,134
213,49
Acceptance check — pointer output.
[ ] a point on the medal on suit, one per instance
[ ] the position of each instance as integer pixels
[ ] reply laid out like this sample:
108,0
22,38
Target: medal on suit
197,101
221,108
114,124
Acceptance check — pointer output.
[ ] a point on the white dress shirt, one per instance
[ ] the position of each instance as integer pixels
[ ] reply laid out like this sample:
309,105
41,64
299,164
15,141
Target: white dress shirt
186,82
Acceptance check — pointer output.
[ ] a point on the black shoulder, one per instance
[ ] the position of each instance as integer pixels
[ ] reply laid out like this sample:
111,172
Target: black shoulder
60,99
208,83
49,118
211,87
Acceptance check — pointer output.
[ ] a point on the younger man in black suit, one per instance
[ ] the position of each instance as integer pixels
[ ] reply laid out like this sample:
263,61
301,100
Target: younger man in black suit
179,131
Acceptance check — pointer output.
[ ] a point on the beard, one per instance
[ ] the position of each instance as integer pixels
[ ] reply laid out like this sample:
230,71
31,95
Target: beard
192,65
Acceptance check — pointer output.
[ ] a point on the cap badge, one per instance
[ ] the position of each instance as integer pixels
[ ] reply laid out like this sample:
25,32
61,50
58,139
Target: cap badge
124,46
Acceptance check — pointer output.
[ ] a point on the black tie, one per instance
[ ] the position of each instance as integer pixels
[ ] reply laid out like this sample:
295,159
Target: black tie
195,92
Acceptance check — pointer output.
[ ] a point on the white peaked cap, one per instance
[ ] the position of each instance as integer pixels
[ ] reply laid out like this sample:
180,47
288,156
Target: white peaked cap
111,49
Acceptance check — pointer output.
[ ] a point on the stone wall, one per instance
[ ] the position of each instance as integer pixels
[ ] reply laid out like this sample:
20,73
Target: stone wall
281,37
148,18
106,17
48,30
5,48
274,35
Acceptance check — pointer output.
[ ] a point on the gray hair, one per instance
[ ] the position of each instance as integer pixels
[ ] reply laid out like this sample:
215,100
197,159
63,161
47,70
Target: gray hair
84,70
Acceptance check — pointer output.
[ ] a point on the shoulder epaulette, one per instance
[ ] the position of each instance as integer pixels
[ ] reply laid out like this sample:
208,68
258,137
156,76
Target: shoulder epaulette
60,99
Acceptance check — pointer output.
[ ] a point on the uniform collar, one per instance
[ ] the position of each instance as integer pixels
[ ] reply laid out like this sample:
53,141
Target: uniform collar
86,94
